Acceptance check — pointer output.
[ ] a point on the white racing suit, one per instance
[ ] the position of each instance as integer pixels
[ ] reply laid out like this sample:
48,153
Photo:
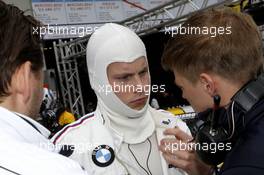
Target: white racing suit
90,134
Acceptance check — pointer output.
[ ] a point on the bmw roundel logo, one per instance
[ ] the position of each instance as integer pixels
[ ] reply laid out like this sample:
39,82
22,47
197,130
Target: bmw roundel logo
103,155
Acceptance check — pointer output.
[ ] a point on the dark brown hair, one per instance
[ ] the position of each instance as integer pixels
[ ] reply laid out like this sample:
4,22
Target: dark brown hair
18,44
236,56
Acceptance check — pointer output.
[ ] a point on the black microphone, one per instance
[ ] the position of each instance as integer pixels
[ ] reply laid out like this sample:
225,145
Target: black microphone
215,115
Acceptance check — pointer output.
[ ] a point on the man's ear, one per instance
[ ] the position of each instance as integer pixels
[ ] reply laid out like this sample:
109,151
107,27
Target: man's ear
208,83
21,81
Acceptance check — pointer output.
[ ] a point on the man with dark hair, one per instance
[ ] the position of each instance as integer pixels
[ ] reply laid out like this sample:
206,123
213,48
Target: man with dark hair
226,65
25,148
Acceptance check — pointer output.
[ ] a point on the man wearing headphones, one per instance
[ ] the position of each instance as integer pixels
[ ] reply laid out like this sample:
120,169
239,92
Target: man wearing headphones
122,135
25,147
223,74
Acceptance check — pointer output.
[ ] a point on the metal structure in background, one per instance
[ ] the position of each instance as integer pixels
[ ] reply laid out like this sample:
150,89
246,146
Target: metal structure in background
69,77
170,14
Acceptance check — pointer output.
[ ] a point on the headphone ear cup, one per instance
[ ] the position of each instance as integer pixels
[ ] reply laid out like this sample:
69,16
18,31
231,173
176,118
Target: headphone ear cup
212,148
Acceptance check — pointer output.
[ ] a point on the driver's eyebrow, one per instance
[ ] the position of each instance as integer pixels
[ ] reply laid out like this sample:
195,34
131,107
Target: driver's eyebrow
131,74
144,69
124,74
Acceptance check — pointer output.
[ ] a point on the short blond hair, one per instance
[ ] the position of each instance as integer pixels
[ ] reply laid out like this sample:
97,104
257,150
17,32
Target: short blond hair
237,56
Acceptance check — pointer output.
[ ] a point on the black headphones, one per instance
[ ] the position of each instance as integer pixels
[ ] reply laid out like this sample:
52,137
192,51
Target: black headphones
210,133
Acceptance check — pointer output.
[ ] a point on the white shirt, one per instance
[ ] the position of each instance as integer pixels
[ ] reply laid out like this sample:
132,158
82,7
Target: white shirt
26,150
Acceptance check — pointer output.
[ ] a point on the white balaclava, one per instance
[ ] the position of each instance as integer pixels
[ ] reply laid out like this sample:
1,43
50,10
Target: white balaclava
115,43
